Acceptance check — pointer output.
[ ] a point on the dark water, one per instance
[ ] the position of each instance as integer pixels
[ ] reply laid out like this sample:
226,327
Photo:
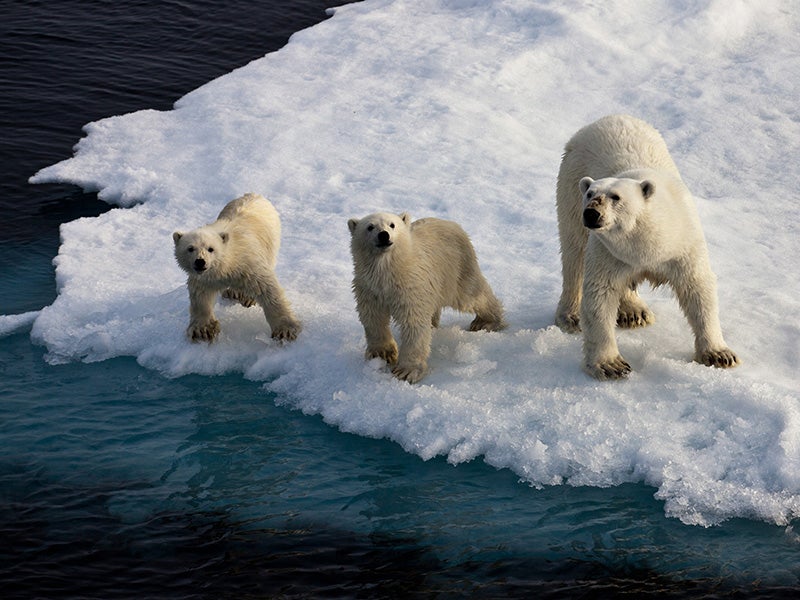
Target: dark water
118,483
65,63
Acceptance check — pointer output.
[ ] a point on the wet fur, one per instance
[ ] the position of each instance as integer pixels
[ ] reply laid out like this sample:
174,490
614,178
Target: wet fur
240,251
651,231
428,265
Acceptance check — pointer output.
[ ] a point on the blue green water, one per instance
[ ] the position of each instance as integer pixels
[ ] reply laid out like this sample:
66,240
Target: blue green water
116,482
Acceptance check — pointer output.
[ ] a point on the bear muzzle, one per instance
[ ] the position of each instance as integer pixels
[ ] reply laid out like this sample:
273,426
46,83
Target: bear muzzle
592,218
199,265
383,240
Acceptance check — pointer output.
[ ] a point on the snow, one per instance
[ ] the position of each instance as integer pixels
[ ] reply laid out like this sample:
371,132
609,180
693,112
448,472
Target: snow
460,109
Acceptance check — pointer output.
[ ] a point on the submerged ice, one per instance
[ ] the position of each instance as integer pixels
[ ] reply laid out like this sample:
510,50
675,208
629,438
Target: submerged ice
460,110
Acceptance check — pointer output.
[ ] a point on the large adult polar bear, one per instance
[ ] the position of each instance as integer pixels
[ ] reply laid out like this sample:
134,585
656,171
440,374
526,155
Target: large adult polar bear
408,272
235,255
625,215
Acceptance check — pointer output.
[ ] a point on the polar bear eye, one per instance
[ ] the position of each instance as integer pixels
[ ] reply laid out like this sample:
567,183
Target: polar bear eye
370,227
391,225
190,249
210,250
615,197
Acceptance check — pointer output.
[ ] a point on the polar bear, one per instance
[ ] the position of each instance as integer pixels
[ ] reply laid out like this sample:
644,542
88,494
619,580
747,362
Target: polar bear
235,255
625,215
408,272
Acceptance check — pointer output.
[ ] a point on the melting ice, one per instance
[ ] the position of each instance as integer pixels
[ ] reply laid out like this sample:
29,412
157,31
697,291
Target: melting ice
460,109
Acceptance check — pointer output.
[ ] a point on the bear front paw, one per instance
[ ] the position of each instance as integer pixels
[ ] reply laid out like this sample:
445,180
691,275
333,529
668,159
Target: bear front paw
724,358
616,368
409,373
287,332
387,353
203,332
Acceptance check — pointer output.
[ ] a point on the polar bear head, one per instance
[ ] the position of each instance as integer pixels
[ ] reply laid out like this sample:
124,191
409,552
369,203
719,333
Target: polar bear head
614,203
200,250
379,231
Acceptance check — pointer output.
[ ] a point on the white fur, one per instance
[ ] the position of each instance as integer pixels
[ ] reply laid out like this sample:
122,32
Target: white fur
408,272
625,215
235,255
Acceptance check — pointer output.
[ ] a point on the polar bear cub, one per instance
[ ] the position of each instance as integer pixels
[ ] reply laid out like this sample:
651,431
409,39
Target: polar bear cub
625,215
408,272
235,255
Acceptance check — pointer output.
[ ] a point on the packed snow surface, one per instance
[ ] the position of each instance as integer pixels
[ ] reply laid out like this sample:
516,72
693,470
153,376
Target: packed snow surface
460,109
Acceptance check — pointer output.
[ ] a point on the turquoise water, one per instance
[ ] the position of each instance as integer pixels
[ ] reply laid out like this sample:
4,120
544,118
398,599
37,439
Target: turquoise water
116,482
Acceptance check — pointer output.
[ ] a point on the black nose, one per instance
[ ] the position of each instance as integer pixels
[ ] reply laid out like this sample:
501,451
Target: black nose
592,218
383,238
200,264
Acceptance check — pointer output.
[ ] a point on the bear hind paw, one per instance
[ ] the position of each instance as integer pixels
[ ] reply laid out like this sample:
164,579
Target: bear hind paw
487,324
387,353
244,300
568,322
724,358
639,317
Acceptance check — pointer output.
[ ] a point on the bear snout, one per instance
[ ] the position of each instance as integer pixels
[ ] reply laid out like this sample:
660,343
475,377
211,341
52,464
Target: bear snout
592,219
384,241
199,265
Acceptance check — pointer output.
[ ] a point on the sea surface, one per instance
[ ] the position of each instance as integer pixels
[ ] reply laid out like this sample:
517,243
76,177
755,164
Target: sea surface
116,482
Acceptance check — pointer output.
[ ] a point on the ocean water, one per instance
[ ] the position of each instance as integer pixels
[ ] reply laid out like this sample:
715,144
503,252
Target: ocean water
118,482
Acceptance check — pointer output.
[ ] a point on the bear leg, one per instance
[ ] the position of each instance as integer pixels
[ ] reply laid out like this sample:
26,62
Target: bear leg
203,325
602,289
375,320
488,312
568,313
415,347
697,295
284,325
573,239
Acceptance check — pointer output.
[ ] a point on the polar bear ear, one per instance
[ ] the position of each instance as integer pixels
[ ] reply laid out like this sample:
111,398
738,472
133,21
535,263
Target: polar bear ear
351,225
648,188
224,236
584,184
176,237
406,218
